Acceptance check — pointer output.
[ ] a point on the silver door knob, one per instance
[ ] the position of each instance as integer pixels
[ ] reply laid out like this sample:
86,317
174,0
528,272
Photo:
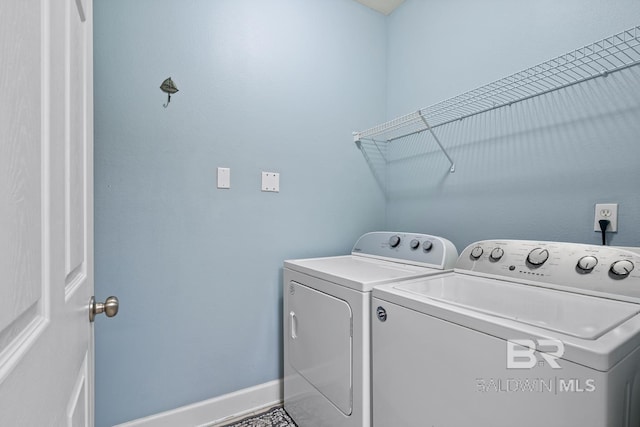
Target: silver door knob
109,307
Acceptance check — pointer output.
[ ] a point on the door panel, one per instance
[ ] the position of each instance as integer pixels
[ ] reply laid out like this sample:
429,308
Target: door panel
46,240
75,145
320,343
21,231
79,401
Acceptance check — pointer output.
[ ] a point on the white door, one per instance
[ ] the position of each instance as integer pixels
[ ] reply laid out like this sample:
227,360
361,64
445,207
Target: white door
46,214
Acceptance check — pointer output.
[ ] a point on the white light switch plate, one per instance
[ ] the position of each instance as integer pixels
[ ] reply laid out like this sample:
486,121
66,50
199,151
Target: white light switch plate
271,181
224,178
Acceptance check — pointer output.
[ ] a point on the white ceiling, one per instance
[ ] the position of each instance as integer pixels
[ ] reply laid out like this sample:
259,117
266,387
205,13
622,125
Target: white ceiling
382,6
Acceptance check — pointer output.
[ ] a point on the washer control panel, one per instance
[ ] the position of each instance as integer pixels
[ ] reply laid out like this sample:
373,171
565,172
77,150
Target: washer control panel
408,248
575,267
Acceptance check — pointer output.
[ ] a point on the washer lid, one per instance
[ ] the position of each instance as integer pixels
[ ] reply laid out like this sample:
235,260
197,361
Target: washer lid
596,332
357,272
571,314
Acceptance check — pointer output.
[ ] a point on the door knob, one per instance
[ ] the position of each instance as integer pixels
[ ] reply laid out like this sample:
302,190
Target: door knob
109,307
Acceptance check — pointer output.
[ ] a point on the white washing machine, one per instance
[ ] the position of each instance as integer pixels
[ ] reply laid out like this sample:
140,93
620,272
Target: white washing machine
521,333
327,302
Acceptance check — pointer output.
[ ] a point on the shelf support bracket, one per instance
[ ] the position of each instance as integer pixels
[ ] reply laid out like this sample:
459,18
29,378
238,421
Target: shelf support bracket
356,138
452,169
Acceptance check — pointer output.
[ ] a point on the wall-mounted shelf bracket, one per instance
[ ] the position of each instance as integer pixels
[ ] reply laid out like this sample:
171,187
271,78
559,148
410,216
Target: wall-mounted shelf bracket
452,169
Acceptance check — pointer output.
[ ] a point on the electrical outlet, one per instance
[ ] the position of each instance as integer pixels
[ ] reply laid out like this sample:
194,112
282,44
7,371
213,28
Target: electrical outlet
607,211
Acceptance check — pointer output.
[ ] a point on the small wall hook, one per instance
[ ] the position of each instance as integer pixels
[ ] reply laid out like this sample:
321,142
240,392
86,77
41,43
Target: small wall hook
169,87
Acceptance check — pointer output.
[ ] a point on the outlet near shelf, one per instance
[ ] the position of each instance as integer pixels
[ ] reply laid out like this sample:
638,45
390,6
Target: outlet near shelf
607,211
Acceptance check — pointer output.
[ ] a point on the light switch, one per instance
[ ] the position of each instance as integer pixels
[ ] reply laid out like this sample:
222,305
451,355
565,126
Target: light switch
271,181
224,178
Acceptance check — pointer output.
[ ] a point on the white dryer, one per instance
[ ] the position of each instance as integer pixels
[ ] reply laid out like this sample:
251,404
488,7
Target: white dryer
522,333
327,301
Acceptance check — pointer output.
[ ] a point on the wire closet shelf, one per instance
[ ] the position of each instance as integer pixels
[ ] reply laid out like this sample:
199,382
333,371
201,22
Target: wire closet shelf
598,59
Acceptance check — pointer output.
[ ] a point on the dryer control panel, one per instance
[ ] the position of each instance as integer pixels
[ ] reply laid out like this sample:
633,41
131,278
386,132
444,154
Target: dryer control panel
588,269
407,248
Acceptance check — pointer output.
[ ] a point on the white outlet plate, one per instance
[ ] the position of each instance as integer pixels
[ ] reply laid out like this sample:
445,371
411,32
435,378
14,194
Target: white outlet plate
271,181
606,211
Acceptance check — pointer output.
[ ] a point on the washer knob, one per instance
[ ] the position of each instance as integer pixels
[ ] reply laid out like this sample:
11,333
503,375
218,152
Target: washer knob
621,268
538,256
586,264
394,241
415,244
496,254
427,245
476,252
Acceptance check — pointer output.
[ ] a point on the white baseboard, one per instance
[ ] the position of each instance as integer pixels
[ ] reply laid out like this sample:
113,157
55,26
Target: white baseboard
218,410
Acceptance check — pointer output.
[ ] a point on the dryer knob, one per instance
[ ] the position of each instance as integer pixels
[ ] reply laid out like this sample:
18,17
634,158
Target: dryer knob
427,245
394,241
415,244
621,268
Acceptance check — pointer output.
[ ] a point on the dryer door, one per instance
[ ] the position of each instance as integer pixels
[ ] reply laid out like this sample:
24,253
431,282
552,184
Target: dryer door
320,343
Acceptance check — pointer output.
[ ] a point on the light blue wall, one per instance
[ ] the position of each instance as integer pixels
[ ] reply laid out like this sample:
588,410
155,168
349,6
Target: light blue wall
273,85
530,171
